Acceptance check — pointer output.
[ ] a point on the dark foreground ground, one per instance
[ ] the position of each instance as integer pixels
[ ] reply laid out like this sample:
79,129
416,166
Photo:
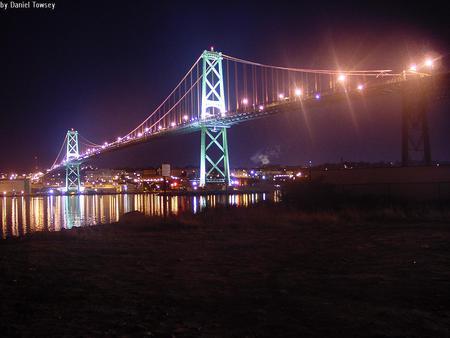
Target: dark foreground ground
259,272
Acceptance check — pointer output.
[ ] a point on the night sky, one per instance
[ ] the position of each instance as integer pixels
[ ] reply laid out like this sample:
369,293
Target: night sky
102,66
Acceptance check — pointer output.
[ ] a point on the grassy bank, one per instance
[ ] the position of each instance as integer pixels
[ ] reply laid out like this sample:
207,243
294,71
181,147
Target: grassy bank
269,271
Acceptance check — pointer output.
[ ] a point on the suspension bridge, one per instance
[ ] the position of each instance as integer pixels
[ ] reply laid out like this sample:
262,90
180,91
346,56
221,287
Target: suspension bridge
219,91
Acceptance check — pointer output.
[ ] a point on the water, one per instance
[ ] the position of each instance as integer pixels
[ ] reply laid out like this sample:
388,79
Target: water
22,215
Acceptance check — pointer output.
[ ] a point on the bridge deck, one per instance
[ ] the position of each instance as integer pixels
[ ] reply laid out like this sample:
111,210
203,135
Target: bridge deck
437,84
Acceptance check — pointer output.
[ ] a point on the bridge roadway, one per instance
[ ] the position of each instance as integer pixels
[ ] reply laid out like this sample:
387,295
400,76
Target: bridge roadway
437,85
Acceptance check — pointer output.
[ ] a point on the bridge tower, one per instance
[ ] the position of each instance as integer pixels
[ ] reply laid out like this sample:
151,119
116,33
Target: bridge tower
416,149
72,162
214,160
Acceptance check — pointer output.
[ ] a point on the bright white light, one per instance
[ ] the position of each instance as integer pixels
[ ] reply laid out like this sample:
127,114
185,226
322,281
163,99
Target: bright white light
429,63
281,96
147,129
185,117
139,135
159,127
342,78
261,107
413,68
298,92
118,140
245,101
172,124
317,96
360,87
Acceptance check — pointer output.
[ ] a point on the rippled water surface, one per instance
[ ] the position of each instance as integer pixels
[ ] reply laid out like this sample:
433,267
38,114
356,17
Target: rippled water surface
21,215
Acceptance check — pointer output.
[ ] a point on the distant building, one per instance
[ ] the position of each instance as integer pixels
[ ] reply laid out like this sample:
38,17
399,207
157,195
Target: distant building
150,173
241,173
102,175
20,186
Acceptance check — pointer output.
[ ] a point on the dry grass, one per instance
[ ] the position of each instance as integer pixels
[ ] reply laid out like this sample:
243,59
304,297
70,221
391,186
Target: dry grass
265,271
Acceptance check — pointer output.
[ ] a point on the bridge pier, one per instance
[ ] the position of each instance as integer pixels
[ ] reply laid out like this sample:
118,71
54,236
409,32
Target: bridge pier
416,147
214,160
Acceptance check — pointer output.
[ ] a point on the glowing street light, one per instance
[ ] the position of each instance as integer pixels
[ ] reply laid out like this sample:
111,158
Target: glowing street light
342,78
139,135
429,63
185,117
245,101
413,68
360,87
298,92
159,127
281,96
172,124
317,96
261,107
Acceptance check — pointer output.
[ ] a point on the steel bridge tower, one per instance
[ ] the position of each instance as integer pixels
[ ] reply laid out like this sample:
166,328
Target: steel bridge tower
72,162
214,160
416,149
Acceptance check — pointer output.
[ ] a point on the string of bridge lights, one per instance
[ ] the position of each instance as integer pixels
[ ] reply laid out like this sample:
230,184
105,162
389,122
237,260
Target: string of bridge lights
428,63
268,84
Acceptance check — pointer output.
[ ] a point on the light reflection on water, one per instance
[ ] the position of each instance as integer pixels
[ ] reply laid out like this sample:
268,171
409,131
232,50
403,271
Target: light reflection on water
22,215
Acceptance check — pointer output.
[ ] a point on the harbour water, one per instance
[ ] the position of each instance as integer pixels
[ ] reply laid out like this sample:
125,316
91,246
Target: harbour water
23,215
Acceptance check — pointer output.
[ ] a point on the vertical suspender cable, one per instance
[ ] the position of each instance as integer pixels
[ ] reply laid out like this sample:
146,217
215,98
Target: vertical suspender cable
264,70
236,85
198,94
191,115
228,85
244,70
